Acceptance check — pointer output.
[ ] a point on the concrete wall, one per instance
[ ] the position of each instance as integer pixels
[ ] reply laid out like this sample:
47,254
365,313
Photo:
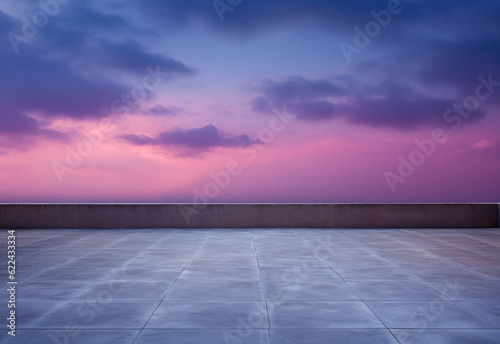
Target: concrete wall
90,216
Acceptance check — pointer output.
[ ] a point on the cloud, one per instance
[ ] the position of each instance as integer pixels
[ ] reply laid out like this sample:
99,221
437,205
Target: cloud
449,42
305,98
54,89
404,110
192,141
259,16
387,104
74,67
77,65
299,88
131,57
461,62
19,126
93,53
484,144
160,110
255,16
314,110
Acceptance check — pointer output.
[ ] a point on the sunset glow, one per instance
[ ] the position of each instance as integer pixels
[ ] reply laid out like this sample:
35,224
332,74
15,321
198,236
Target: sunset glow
319,101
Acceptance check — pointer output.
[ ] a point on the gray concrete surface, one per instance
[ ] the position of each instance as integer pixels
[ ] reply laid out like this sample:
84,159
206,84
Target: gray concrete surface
99,216
279,286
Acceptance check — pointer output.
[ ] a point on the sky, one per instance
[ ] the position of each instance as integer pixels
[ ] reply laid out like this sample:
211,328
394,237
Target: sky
248,101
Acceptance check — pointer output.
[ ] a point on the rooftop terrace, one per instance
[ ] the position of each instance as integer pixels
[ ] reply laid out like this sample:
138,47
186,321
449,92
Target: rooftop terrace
256,286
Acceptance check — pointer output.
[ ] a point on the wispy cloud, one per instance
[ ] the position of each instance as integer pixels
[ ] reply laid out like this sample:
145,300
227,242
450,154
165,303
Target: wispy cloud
160,110
192,142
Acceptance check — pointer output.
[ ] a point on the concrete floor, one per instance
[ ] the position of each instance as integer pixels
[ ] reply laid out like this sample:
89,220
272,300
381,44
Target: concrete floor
255,286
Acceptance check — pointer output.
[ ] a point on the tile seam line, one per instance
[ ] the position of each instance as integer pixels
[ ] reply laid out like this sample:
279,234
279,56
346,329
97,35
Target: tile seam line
60,304
459,265
72,260
387,328
261,288
354,291
180,273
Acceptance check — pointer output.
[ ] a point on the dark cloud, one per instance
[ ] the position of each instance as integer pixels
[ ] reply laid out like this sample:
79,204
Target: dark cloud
77,64
74,67
259,15
299,88
461,62
92,53
131,57
314,110
304,97
160,110
54,89
385,105
250,17
450,41
403,110
193,141
19,125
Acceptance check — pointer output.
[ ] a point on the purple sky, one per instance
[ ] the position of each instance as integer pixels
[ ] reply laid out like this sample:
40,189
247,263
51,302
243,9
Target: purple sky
250,101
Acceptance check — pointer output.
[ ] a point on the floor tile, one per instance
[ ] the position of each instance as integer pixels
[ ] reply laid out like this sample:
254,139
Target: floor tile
50,291
321,314
434,314
246,335
71,336
298,274
220,272
442,336
214,289
115,290
98,313
430,273
394,290
354,273
308,290
332,336
208,315
28,312
470,290
292,262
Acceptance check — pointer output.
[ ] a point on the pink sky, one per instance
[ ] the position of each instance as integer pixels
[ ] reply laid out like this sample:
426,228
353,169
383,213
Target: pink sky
267,88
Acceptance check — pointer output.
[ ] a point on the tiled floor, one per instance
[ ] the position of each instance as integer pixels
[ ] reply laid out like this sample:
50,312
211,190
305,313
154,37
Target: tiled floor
255,286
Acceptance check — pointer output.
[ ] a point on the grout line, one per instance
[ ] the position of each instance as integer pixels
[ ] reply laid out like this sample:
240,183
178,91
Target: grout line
62,302
262,296
171,286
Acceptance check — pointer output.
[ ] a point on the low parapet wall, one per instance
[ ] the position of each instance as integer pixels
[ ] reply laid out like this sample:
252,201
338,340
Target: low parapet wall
101,216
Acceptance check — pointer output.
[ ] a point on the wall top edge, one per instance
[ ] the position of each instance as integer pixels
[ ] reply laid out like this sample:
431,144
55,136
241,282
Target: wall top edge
418,203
